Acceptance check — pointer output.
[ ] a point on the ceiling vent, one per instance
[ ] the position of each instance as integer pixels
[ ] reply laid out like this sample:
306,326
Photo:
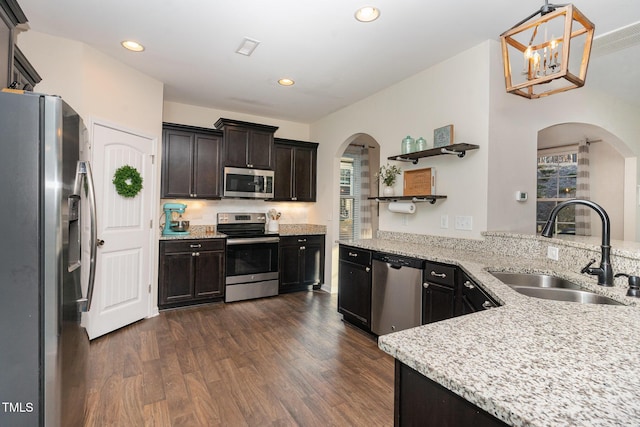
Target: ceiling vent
616,40
247,46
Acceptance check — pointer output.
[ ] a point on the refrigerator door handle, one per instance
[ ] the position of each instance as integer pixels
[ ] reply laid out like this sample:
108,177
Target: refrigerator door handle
84,171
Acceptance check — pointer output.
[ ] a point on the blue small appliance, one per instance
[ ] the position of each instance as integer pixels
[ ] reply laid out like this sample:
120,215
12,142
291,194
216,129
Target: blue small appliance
169,210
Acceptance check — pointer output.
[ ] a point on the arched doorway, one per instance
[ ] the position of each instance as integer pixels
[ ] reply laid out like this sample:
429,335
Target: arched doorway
359,161
610,169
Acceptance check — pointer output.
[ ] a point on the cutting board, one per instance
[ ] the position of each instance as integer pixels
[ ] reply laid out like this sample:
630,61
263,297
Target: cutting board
420,182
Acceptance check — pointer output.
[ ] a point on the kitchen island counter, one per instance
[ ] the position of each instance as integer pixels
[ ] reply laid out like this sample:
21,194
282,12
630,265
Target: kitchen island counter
530,362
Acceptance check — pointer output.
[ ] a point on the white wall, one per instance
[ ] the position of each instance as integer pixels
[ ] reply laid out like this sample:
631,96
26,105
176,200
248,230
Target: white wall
95,85
514,124
205,117
447,93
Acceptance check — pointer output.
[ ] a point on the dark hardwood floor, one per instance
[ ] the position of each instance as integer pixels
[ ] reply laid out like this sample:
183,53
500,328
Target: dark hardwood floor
282,361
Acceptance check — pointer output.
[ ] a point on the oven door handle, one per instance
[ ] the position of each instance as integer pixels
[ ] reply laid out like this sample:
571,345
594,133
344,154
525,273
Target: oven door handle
249,240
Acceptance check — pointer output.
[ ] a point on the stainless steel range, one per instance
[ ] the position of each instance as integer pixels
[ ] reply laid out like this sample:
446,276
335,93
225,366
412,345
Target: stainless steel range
252,256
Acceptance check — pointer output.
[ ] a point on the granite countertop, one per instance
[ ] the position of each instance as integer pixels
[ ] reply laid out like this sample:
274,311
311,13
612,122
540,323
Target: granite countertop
200,231
530,362
196,232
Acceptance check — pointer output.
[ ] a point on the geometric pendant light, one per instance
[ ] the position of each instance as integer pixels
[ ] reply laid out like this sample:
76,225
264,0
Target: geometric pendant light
548,54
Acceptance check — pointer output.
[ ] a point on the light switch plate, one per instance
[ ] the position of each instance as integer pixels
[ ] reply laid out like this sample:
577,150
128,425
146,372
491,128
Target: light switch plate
464,222
552,253
444,221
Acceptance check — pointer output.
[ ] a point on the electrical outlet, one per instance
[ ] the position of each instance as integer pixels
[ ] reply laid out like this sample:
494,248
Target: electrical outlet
552,253
444,221
464,223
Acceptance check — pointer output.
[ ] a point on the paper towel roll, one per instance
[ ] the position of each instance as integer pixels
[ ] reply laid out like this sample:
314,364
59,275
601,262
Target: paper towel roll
402,207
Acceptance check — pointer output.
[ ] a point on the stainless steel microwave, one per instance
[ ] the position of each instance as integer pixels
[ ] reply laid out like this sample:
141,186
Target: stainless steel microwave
248,183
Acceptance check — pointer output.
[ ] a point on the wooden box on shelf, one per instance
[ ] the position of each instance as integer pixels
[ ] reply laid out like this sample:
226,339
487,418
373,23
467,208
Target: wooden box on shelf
420,182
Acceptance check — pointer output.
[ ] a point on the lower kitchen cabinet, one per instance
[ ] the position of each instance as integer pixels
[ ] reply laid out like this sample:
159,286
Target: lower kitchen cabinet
438,293
191,271
472,297
301,262
354,286
420,401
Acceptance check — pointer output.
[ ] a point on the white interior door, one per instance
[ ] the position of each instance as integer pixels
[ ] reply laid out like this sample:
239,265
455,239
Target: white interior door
123,272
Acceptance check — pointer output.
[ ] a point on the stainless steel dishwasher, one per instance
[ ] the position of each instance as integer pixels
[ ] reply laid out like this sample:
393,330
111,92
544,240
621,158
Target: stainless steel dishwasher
396,293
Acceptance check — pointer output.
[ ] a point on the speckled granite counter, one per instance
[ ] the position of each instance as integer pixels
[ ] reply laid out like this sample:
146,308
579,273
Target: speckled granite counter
530,362
200,231
196,232
300,229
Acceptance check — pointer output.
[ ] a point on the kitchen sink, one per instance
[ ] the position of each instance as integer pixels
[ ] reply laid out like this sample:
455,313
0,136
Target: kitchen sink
534,280
551,287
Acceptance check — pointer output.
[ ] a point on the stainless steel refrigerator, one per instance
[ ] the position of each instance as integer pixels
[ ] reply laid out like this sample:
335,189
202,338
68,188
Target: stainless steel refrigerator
46,193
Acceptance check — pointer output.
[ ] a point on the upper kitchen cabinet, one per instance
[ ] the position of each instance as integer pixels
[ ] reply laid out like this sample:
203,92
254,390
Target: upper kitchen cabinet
191,162
295,170
247,145
11,15
24,75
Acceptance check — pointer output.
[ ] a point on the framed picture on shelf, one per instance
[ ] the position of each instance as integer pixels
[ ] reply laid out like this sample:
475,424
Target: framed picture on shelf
443,136
419,182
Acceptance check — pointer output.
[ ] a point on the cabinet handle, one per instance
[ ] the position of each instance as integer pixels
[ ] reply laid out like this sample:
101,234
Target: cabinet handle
425,285
302,248
353,254
195,253
487,305
441,275
294,198
196,246
468,284
302,240
367,269
249,166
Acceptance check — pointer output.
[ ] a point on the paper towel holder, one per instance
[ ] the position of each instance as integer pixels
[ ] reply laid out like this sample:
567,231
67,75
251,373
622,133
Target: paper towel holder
414,199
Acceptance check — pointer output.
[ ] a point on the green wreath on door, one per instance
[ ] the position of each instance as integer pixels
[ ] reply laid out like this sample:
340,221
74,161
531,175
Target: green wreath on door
128,181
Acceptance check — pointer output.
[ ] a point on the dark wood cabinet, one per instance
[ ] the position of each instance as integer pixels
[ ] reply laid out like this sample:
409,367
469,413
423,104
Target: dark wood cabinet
438,293
247,145
191,271
295,170
354,286
301,262
420,401
25,77
12,15
472,297
191,162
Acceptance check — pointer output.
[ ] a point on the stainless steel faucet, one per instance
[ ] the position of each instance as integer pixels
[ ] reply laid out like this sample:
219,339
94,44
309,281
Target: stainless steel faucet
604,272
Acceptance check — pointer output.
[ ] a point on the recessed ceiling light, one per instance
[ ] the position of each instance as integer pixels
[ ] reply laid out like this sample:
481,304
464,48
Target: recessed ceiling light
132,46
286,82
367,14
247,46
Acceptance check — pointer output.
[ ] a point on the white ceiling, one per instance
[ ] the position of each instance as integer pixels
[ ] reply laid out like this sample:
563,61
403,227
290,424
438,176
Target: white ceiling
335,60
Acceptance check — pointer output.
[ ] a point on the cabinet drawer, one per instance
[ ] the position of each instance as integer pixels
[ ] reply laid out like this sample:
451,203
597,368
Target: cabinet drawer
301,239
308,239
355,255
440,273
191,245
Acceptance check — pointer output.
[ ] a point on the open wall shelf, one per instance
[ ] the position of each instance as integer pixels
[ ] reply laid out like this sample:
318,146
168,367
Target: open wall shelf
415,199
459,150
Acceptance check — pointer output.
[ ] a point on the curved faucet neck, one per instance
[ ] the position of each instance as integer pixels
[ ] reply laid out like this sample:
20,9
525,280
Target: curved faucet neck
604,272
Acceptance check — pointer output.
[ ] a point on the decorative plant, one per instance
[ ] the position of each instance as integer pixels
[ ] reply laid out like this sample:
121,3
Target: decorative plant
388,174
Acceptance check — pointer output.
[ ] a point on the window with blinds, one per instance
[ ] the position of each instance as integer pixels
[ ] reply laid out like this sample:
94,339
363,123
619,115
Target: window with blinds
350,196
557,181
